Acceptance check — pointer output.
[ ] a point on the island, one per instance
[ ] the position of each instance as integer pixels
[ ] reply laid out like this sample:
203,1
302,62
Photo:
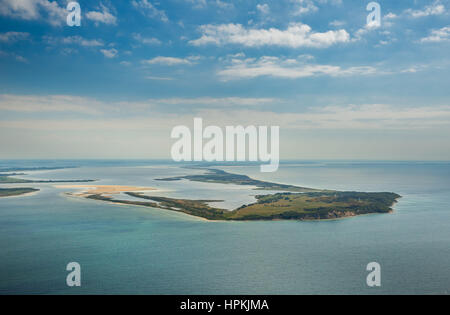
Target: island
6,178
11,192
40,168
290,203
221,177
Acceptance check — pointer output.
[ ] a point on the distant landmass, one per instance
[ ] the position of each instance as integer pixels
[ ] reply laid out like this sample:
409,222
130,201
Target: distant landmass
291,203
9,192
222,177
7,179
15,169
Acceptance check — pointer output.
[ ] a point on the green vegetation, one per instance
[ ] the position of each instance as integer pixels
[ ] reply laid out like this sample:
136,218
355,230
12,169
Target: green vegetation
292,203
315,206
281,206
7,179
16,191
16,169
221,177
11,180
198,208
11,174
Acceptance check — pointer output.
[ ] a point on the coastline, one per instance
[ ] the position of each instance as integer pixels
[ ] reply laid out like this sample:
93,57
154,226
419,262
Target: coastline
346,215
28,194
79,197
301,204
104,189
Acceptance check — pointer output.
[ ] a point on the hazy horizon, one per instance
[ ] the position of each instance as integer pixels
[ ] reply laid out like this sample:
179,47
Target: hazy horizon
116,86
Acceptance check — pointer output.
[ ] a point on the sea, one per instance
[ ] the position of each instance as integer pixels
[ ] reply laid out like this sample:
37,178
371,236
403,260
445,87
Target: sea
125,249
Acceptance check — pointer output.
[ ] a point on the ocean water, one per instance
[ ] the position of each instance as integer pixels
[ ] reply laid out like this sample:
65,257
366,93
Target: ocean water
128,249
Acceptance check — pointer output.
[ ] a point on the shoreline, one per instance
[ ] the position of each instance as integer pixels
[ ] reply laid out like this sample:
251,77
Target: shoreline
79,197
104,189
119,203
306,204
28,194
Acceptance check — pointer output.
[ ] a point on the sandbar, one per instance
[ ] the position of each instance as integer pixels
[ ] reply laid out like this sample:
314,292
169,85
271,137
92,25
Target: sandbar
104,189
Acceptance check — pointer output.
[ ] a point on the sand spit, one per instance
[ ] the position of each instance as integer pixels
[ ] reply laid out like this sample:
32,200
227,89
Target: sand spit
88,190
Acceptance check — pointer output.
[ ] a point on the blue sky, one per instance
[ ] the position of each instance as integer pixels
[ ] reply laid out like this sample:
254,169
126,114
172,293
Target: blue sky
114,87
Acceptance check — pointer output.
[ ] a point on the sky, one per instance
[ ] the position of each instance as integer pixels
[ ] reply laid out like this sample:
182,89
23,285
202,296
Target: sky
114,87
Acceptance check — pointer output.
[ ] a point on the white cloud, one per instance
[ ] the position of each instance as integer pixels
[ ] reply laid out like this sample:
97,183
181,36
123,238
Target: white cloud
202,4
263,8
360,117
349,117
146,40
33,9
295,36
51,103
103,136
224,5
337,23
390,16
159,78
375,116
27,10
109,53
72,40
207,102
304,7
286,68
388,19
150,10
103,16
78,40
86,105
194,103
17,57
440,35
198,4
21,59
360,33
168,61
11,37
434,9
374,26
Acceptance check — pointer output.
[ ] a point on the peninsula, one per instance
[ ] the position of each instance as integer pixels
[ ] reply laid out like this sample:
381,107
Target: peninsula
8,179
290,203
221,177
10,192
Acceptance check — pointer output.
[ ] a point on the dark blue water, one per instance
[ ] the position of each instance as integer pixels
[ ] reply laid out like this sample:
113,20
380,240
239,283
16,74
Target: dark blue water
125,249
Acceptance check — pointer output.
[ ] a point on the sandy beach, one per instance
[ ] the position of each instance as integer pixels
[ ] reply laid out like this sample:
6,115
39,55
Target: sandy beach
29,194
103,189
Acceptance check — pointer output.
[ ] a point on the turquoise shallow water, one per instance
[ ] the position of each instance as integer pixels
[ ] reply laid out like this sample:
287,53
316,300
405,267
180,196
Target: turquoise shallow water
125,249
